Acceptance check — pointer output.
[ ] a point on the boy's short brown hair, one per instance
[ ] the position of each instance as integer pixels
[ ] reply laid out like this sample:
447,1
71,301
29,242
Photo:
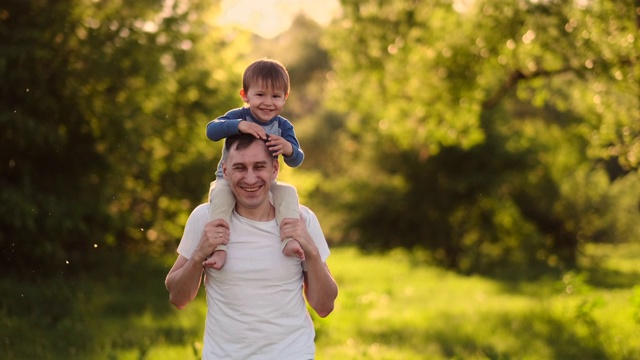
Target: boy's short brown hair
271,72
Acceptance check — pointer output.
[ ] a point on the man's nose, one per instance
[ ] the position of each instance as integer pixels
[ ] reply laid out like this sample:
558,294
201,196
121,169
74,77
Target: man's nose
250,176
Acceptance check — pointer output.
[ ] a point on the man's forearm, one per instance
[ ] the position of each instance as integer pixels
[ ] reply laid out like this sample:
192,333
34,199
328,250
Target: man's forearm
183,281
321,289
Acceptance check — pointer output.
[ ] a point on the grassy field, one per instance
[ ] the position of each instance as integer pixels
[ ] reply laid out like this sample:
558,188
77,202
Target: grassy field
389,307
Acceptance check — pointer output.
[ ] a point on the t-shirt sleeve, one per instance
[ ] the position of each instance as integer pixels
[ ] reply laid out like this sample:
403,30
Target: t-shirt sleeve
193,230
313,226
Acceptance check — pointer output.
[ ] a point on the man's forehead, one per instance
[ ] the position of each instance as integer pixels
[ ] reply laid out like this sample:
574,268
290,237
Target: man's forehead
242,161
256,152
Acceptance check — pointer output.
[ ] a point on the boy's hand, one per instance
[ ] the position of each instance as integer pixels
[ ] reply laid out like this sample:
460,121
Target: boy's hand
279,146
248,127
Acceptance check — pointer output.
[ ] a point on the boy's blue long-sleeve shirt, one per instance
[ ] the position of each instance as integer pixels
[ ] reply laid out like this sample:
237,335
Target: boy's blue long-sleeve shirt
227,125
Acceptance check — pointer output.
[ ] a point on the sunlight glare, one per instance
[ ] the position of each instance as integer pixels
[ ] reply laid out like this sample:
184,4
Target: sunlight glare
269,18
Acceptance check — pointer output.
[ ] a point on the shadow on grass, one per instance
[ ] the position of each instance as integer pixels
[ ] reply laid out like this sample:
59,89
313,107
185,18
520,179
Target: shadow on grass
503,337
612,279
117,303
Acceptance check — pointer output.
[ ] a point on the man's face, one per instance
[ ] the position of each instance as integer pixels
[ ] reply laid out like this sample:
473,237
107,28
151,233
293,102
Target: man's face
250,172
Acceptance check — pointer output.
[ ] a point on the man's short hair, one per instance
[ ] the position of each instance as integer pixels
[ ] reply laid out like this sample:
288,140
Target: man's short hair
243,141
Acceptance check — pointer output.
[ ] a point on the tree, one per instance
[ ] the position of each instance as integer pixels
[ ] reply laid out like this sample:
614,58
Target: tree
476,130
102,122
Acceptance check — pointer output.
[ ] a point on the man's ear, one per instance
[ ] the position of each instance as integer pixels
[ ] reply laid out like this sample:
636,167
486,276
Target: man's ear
224,170
276,169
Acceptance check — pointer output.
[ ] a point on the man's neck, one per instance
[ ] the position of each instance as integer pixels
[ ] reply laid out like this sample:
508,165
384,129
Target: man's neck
262,214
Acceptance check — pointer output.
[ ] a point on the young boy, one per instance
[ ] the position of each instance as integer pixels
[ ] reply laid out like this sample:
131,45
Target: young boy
265,88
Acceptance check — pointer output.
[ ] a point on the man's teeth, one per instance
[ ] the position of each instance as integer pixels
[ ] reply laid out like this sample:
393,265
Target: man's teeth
251,189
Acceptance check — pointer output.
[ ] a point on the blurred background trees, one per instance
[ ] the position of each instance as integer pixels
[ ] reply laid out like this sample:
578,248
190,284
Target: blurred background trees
103,111
490,135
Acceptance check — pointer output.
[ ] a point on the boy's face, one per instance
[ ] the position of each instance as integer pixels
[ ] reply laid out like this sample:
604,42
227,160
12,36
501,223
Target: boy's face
264,102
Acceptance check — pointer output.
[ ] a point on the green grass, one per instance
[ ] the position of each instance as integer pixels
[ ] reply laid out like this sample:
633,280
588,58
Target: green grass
389,307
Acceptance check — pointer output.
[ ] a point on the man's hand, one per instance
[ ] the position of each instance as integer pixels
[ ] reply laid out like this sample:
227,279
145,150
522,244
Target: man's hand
248,127
215,233
279,146
296,229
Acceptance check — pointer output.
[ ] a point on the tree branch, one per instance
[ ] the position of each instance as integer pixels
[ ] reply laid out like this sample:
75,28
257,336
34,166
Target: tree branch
513,80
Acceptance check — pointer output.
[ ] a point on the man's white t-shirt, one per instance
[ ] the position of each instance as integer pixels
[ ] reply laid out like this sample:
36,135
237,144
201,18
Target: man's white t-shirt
255,305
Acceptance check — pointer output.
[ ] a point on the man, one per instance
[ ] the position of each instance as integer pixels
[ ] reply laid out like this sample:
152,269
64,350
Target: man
255,303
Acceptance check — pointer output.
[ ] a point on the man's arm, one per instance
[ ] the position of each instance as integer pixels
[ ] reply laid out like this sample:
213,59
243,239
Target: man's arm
184,278
320,288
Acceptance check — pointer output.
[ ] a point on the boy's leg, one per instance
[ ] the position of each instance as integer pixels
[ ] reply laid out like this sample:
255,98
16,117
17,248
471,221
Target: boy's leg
221,200
285,198
221,203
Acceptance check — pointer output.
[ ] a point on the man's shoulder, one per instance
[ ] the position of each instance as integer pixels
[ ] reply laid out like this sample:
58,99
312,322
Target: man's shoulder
305,209
307,213
201,211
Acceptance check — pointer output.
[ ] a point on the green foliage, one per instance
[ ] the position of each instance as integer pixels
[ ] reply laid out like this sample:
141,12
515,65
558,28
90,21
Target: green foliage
496,135
45,142
102,122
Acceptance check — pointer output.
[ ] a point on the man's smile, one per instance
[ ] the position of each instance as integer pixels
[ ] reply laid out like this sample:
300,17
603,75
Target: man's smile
251,188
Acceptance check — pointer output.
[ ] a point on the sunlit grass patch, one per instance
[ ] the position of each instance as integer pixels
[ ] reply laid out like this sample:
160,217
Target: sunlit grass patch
389,307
